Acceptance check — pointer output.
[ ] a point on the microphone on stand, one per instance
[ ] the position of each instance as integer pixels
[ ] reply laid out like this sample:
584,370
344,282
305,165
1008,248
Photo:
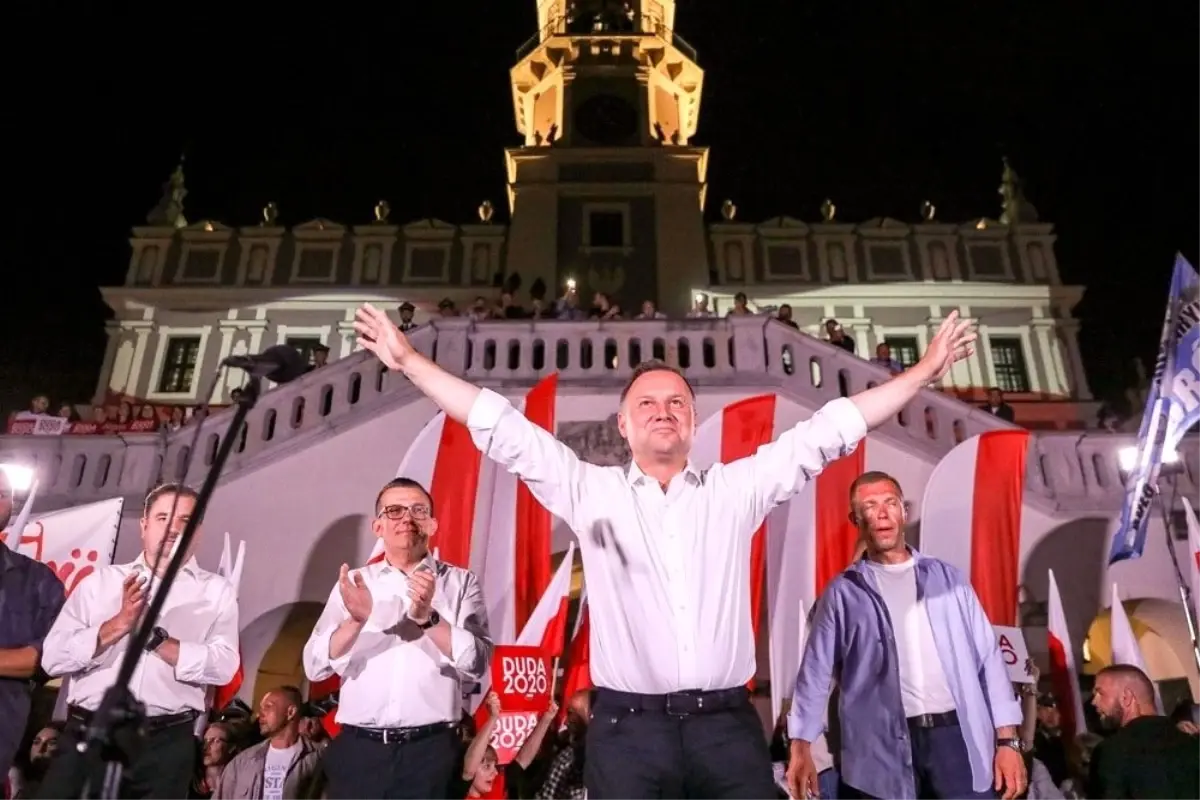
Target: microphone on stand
281,363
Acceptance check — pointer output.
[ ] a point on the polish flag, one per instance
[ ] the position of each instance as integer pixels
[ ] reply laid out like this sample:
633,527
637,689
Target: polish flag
1125,647
231,569
971,516
1193,527
577,675
808,541
1063,674
546,628
488,521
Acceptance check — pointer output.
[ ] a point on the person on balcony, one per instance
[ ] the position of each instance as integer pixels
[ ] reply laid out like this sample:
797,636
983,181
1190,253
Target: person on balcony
996,406
837,335
666,548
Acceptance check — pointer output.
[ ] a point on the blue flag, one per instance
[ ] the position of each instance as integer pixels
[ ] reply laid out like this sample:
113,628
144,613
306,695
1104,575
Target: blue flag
1172,408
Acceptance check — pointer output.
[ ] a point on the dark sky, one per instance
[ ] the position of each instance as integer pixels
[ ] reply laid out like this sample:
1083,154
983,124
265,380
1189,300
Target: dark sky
324,111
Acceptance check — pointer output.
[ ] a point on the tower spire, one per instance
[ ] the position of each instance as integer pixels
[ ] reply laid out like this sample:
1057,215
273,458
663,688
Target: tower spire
169,211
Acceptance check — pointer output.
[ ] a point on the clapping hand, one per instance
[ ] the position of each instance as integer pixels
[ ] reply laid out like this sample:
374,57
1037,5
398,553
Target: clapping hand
133,600
420,595
377,333
355,595
951,343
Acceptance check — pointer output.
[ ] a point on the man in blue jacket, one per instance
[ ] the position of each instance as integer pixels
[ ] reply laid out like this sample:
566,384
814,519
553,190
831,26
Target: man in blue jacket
927,708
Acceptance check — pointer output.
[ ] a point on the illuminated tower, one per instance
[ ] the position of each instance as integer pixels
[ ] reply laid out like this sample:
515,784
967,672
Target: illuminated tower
606,188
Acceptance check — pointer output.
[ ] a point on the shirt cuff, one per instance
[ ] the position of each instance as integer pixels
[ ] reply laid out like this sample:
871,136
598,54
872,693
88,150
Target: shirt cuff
83,648
189,664
846,419
802,730
464,652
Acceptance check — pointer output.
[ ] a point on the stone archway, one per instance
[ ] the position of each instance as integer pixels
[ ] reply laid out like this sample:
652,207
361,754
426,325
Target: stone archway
1161,630
273,645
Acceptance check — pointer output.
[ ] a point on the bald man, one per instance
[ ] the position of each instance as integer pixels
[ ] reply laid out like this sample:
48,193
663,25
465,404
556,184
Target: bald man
1147,756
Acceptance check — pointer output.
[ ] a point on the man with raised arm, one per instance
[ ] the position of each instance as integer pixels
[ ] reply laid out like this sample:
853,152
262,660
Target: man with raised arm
666,549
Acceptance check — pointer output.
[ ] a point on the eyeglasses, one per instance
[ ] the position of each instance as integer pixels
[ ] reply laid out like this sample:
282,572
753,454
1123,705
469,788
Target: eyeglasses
418,512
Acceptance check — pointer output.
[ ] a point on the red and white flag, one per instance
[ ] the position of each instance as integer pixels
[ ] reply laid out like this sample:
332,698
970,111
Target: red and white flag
1064,676
231,569
1125,647
488,521
971,516
546,628
577,676
1193,527
808,541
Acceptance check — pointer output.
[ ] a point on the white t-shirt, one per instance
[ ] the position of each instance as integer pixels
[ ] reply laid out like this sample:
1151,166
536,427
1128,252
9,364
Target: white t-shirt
923,686
279,761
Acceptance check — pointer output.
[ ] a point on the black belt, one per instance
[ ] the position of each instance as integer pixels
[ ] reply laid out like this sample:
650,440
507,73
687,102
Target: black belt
942,720
400,735
83,717
677,704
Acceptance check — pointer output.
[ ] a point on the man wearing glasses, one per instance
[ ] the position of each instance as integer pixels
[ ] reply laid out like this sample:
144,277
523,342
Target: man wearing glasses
403,633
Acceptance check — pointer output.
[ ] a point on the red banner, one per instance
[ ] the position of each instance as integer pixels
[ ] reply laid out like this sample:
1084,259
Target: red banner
521,676
510,733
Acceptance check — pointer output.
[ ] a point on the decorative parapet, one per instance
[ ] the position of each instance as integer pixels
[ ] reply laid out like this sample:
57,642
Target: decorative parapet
1069,472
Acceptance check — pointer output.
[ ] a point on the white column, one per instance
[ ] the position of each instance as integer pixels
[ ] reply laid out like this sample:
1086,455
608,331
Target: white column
1034,374
984,352
228,327
113,330
1042,333
1070,336
346,339
143,331
257,328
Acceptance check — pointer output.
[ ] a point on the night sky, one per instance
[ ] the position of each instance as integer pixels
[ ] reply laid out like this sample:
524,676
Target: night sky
324,111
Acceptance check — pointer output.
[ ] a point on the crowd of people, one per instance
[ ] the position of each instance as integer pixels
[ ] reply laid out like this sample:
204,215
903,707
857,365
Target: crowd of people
901,691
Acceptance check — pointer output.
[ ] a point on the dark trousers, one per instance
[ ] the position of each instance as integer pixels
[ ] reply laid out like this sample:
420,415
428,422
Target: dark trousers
941,765
357,766
640,746
161,763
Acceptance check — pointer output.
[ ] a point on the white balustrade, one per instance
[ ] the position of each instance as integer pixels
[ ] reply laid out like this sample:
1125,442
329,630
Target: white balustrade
1072,470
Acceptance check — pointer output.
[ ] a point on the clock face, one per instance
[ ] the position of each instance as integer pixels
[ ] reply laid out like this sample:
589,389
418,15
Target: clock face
607,119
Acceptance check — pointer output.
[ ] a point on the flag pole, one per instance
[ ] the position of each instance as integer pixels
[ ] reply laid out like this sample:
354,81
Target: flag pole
1185,591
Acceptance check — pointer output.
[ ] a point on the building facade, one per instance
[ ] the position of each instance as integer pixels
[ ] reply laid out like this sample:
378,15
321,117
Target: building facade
607,191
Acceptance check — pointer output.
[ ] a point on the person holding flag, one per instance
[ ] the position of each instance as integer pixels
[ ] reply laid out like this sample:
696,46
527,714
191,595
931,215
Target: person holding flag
404,633
666,549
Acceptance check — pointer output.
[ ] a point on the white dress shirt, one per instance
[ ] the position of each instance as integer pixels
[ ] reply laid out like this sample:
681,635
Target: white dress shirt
200,612
390,677
668,573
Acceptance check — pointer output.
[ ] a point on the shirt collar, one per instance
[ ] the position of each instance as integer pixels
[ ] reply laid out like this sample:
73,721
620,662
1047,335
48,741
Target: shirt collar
385,568
190,566
635,476
864,563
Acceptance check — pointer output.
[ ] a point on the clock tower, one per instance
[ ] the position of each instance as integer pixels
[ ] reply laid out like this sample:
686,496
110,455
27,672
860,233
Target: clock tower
607,189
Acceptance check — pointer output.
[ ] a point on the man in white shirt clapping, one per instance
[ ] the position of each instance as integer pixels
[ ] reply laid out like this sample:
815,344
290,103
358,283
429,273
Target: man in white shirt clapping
666,550
194,645
404,634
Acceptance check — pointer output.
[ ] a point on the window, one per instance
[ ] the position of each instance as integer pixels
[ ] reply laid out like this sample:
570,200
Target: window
179,365
305,345
606,229
904,349
1008,360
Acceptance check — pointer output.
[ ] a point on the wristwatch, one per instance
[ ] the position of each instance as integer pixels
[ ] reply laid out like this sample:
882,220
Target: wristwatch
1015,744
434,619
157,637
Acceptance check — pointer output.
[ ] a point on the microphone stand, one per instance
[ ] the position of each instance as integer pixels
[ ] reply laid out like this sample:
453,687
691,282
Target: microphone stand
119,711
